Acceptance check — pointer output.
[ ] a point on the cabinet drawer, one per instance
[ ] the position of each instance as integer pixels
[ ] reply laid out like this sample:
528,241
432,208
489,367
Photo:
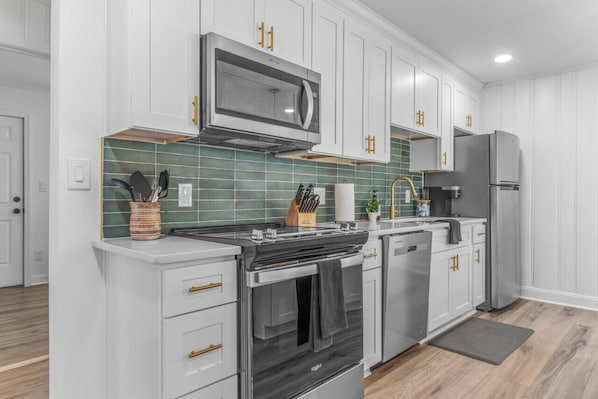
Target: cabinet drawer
225,389
372,254
440,239
479,233
198,287
199,349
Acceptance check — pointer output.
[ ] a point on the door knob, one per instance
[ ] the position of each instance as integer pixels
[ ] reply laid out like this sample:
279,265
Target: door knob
17,199
16,211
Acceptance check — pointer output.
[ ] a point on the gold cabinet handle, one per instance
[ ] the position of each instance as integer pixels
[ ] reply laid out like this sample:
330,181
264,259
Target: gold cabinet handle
457,261
423,118
444,158
195,103
369,140
205,287
372,255
477,259
419,118
454,266
374,141
271,33
262,30
481,234
470,120
209,349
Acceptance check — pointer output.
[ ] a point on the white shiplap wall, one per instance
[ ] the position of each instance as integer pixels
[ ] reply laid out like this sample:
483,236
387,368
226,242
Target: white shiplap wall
556,118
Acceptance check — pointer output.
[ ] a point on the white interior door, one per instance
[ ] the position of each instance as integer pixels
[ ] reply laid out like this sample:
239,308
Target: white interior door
11,201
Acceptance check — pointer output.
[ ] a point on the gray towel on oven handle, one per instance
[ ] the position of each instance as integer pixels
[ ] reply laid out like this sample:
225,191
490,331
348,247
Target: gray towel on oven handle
454,230
333,315
317,341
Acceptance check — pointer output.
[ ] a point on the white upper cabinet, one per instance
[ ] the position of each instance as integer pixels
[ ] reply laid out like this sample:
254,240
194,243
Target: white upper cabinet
327,59
153,96
366,94
282,27
467,110
25,26
416,93
436,154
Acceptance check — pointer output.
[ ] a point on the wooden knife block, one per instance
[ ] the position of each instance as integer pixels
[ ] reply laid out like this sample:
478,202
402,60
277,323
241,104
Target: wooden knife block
295,218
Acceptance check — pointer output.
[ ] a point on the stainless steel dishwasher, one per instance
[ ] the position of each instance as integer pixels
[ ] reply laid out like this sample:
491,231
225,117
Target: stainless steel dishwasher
406,284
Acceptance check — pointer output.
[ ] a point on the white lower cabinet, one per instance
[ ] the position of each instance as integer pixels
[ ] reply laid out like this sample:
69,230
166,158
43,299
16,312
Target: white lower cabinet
479,264
199,348
372,318
479,274
171,330
225,389
450,281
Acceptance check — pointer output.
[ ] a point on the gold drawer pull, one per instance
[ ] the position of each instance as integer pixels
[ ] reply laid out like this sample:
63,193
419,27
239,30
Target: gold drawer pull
205,287
209,349
271,33
195,103
262,30
481,234
372,255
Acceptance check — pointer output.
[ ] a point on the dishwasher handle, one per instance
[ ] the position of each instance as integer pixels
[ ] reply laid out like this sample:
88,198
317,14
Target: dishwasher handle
265,277
410,249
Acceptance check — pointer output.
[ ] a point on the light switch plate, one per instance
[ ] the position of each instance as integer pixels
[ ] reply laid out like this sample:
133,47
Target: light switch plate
321,191
78,176
185,195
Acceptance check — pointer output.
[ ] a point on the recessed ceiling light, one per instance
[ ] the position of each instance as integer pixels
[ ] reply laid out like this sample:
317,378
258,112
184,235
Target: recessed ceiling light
503,58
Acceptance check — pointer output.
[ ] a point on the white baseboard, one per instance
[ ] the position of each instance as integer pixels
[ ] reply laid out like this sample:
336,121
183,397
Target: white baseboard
38,279
560,298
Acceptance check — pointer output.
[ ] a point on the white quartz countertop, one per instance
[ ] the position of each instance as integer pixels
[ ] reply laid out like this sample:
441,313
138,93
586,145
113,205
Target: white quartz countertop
406,225
166,249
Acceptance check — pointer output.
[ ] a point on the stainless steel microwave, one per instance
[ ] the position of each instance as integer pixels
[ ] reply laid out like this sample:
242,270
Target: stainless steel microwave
253,100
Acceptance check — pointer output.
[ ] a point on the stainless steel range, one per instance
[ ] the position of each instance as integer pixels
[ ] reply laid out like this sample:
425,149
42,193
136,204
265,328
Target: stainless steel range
280,358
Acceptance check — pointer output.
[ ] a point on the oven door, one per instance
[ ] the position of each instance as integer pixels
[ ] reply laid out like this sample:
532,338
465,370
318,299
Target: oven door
282,364
247,90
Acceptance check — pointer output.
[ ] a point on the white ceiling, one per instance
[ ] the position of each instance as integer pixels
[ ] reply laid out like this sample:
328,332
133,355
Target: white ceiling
542,35
24,71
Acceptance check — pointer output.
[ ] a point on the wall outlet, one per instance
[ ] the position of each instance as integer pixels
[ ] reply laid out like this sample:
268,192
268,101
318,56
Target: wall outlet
321,191
185,195
38,255
407,196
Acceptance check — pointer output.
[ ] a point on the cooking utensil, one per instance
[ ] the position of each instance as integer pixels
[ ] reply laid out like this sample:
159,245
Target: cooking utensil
163,182
299,195
123,184
140,184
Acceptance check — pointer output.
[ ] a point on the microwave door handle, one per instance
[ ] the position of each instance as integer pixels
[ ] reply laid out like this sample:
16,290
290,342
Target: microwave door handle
310,105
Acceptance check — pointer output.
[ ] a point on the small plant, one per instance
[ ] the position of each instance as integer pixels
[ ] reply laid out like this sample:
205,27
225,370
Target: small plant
373,205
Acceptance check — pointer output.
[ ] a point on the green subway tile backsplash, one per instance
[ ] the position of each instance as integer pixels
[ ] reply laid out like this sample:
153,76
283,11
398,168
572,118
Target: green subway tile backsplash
237,186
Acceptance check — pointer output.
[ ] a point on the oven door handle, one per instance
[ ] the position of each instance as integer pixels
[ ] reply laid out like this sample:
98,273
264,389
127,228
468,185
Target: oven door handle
265,277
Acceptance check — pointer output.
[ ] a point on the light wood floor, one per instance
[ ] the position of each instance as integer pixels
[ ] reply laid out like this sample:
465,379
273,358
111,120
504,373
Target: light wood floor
560,360
24,342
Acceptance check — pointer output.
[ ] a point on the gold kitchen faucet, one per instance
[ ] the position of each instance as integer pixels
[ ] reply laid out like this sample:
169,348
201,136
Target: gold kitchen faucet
394,209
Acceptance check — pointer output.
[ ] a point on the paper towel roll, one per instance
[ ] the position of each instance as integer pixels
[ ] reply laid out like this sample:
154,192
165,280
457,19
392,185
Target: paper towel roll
344,202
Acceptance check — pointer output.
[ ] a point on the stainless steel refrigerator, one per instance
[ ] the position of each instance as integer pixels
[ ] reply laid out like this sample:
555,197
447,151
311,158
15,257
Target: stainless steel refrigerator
487,170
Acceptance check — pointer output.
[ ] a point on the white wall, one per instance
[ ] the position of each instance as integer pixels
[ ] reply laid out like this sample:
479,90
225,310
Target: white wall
77,297
556,117
34,107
